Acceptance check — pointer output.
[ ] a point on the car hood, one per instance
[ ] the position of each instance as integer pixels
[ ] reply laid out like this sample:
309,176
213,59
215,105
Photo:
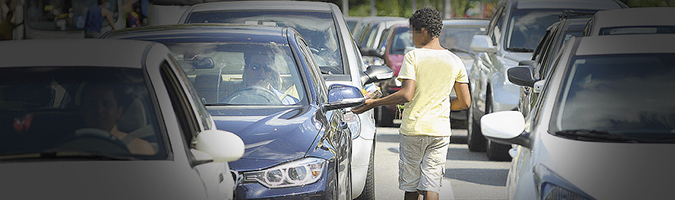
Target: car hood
99,180
271,135
612,170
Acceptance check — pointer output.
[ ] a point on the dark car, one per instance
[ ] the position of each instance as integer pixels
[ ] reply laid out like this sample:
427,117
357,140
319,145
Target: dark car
263,84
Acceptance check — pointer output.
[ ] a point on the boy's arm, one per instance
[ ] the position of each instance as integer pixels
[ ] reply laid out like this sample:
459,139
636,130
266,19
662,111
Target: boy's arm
463,100
108,17
402,96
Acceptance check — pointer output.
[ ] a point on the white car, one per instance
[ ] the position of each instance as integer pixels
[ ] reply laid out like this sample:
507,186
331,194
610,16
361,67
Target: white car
602,127
642,20
323,26
106,119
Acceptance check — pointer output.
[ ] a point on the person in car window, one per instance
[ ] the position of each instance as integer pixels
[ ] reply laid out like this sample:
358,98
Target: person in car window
102,107
259,71
425,127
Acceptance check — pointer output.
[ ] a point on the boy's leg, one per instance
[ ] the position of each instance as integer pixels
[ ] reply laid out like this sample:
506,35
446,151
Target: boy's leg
433,167
409,165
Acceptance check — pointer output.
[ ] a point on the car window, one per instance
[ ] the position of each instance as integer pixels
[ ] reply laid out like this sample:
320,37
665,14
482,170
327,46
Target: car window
637,30
318,28
94,111
611,94
527,26
401,39
316,75
496,25
460,36
241,73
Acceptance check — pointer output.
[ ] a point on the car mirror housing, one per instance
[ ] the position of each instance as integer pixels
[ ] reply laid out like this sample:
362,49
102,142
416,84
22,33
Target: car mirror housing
376,73
343,96
482,43
222,146
521,75
505,127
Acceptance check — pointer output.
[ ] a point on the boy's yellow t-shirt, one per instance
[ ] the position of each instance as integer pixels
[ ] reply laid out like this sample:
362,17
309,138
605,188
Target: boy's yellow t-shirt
435,73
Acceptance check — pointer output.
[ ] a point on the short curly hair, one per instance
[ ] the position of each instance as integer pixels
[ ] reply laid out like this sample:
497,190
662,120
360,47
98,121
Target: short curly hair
429,19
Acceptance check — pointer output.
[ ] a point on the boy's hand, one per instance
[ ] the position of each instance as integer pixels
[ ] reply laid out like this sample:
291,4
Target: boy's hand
367,105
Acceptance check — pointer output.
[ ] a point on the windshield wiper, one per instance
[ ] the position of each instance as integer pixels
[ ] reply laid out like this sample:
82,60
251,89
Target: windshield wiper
595,135
519,49
61,154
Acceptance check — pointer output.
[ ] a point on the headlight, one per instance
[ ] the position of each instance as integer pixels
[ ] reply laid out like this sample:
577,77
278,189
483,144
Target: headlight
554,192
354,123
292,174
554,187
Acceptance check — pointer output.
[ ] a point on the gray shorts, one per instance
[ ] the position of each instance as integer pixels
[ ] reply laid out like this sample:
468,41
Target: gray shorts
422,162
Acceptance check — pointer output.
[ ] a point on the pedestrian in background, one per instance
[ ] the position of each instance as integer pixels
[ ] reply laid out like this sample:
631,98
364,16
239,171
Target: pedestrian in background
95,15
429,73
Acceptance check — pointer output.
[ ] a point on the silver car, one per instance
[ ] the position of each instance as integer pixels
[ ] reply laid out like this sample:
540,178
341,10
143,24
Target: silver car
324,28
106,119
602,127
514,32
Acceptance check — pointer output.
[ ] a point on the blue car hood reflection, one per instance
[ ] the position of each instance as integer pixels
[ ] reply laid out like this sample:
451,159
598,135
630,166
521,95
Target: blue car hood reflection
271,135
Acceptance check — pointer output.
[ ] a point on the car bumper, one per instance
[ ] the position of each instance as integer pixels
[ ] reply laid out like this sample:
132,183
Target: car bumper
318,190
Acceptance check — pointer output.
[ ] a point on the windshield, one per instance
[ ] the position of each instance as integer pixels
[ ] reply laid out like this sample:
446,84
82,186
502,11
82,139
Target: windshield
63,15
400,40
318,29
241,73
627,94
77,112
527,27
459,37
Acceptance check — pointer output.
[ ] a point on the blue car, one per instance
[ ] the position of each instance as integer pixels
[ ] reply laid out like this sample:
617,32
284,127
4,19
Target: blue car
263,84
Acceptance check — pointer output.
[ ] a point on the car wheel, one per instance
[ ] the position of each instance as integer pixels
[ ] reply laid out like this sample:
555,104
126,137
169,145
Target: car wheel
369,189
474,139
497,151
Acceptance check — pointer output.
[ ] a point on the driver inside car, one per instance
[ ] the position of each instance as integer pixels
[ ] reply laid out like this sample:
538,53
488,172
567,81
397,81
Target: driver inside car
101,109
259,71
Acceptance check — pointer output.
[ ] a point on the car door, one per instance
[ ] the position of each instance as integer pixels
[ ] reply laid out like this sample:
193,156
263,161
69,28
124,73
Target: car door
192,119
337,131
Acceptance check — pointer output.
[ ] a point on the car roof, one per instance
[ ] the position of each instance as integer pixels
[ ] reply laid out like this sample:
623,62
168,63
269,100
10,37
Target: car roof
206,32
466,22
569,4
73,52
626,44
645,16
263,5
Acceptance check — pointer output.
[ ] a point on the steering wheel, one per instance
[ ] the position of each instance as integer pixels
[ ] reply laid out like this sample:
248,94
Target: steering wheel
252,95
93,139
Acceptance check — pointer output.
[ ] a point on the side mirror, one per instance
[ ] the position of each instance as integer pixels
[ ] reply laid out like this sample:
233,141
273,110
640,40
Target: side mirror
371,52
376,73
482,43
505,127
521,76
343,96
222,146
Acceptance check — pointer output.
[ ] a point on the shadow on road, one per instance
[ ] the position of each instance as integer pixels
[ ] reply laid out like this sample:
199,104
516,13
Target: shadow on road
493,177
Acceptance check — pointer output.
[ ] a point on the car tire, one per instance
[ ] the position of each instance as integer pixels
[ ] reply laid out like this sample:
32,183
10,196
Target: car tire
475,139
497,151
368,192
